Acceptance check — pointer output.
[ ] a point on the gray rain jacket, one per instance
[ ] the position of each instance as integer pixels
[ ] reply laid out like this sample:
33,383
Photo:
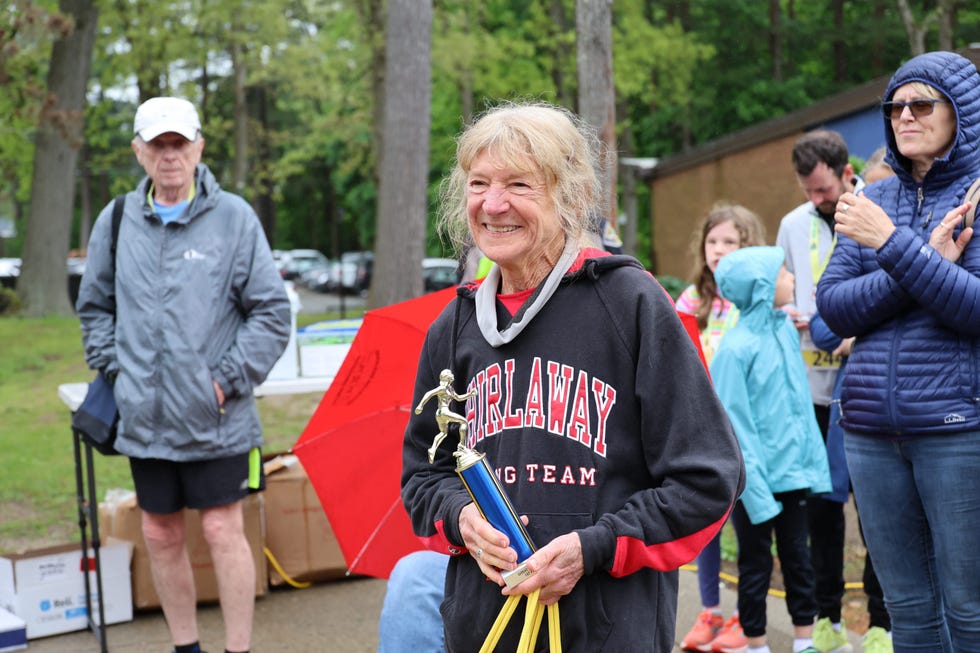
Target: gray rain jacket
196,301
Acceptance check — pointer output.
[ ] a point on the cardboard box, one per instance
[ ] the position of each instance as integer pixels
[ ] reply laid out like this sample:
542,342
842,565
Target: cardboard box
298,534
46,587
120,518
13,632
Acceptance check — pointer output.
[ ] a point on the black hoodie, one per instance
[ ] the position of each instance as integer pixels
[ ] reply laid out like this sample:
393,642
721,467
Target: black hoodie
599,418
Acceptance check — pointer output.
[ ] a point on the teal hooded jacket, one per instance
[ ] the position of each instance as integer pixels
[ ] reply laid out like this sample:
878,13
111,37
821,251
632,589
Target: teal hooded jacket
760,378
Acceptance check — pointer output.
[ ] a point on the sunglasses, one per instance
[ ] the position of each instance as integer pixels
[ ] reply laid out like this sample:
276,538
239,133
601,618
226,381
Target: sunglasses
919,108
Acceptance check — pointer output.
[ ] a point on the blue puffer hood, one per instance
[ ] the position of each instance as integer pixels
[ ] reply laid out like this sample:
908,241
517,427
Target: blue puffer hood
747,277
955,77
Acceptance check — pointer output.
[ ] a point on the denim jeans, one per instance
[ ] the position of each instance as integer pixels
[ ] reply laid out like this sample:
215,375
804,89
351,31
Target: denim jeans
920,509
410,620
709,572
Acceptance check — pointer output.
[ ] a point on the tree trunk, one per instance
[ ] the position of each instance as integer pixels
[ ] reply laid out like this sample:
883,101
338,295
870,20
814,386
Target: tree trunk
630,210
373,22
596,92
562,53
402,197
877,49
946,18
776,39
915,31
466,101
239,178
85,198
43,281
839,43
262,200
679,10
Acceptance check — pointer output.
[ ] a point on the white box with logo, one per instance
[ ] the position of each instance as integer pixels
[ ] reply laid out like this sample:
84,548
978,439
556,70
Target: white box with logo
46,587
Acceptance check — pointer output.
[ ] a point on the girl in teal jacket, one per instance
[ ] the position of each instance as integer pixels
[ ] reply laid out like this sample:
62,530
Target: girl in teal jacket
760,378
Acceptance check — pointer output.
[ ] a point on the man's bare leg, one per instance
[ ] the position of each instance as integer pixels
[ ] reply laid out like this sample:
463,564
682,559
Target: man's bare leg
172,574
235,570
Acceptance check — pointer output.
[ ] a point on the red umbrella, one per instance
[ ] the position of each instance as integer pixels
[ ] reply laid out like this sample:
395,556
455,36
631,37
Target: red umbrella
352,447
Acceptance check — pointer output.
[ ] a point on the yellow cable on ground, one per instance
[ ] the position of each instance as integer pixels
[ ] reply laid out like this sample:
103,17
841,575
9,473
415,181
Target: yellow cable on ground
851,585
279,570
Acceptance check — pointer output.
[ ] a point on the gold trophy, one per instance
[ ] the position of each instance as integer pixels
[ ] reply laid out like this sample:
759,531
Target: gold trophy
478,477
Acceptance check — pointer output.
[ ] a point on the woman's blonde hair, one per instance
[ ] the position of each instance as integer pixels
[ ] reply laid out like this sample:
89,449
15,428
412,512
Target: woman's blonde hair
925,90
533,137
751,233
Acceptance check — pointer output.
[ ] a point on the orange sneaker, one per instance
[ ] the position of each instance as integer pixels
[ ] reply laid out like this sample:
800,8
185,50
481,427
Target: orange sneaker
703,632
731,639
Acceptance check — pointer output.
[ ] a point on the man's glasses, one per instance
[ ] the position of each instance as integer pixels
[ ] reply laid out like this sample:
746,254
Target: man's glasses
919,108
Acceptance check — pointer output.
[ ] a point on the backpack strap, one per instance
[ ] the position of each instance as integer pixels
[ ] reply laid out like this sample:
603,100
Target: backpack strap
973,197
117,212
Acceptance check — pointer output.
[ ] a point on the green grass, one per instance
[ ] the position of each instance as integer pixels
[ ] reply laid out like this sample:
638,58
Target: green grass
37,495
38,492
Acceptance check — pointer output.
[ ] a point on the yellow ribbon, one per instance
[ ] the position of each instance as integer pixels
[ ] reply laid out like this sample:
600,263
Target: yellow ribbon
817,266
533,616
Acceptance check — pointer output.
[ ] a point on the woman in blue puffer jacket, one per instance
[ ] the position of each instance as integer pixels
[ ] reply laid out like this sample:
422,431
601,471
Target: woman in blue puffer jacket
905,280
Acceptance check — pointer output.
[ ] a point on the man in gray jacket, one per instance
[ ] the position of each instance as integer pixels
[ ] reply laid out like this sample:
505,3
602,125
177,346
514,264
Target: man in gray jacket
189,317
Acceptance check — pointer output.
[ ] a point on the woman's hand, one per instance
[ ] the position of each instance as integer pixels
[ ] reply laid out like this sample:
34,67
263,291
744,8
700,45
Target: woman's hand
941,238
488,546
557,568
862,220
844,348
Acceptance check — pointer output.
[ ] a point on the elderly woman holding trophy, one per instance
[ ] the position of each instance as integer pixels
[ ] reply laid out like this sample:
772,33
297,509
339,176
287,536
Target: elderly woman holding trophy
596,458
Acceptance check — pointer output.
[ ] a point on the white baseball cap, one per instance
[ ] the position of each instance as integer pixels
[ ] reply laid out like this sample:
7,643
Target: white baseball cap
160,115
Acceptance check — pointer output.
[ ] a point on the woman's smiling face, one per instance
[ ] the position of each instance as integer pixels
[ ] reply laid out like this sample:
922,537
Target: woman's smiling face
512,219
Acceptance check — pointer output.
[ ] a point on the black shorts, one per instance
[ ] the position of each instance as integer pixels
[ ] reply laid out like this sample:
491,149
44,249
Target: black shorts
165,486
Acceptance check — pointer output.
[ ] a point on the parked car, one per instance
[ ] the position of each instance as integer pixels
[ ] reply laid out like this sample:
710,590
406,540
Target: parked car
280,256
301,260
9,271
355,271
439,273
74,266
322,278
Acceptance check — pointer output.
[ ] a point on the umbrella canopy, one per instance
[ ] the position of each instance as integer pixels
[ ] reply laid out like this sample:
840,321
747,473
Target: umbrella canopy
351,448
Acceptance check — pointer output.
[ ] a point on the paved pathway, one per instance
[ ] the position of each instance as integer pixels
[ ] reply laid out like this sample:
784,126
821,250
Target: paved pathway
342,617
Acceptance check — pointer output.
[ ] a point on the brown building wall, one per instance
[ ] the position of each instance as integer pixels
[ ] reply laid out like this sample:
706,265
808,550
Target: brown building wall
751,167
760,178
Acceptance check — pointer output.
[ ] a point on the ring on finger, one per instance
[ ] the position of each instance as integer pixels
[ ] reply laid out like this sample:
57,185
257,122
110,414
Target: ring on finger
479,553
844,208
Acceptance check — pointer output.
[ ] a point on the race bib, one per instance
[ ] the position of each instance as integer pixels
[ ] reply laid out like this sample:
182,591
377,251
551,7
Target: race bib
820,359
